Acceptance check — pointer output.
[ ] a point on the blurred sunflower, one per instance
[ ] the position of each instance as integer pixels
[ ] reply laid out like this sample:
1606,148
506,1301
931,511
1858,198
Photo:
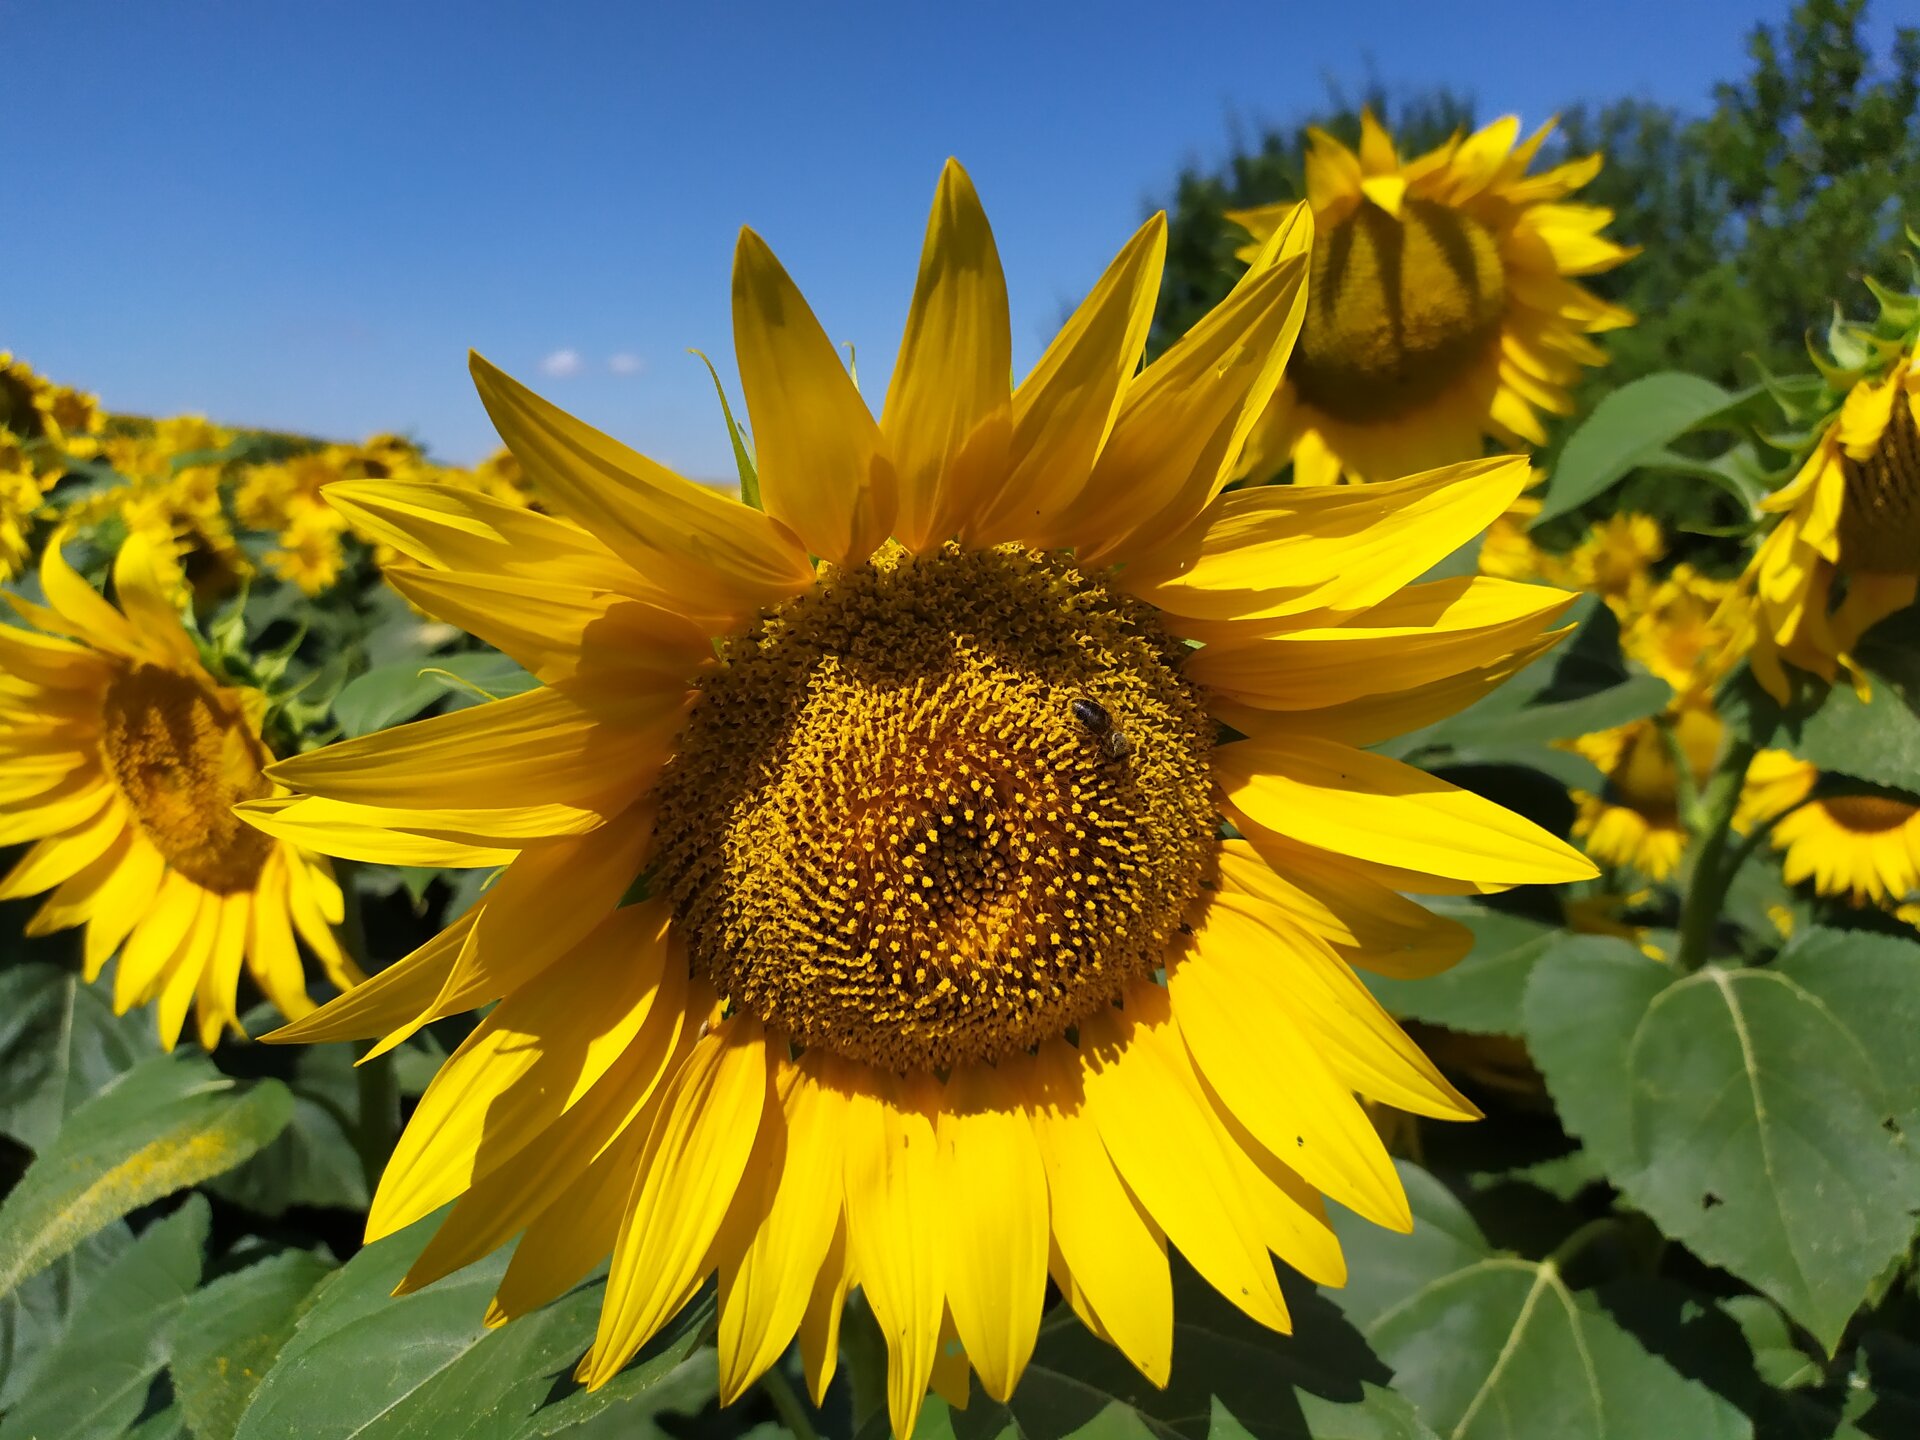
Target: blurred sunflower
1865,847
1845,552
1440,308
920,833
121,758
1682,627
1635,820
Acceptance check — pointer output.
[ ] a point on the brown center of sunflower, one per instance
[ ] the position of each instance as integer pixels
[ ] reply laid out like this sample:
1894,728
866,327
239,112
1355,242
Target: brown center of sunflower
182,759
938,809
1880,521
1396,308
1868,814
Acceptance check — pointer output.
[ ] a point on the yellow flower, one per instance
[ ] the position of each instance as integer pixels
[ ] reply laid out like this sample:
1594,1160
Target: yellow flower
923,830
1682,628
1440,309
1864,847
271,497
1615,558
310,554
188,435
1635,821
1777,780
1506,550
1846,551
122,759
20,501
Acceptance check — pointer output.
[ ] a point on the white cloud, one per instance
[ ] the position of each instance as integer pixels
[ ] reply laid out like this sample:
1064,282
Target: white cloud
562,363
626,363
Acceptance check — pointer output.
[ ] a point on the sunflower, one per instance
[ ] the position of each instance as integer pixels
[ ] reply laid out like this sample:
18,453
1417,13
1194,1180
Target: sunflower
121,758
938,978
1440,309
1635,820
1846,551
1681,627
1864,846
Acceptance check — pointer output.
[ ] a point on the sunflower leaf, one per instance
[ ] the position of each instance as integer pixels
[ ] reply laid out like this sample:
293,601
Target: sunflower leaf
60,1044
94,1382
168,1123
1230,1378
226,1335
1762,1117
1481,994
1633,427
1490,1346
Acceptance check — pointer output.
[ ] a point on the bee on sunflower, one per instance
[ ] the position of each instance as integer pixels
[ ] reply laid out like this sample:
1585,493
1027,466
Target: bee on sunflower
121,759
1844,552
927,985
1443,305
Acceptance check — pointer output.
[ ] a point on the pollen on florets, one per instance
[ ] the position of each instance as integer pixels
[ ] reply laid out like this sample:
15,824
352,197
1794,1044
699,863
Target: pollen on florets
889,831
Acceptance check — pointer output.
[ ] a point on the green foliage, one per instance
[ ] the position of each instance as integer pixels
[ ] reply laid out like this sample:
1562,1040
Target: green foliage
163,1125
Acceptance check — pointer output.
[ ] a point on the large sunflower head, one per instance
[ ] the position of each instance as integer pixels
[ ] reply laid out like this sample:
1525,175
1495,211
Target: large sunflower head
1442,307
1845,551
939,978
121,759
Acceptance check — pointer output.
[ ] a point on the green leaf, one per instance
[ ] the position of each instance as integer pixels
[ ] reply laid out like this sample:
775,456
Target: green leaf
313,1161
362,1365
60,1044
1630,428
226,1336
94,1384
1634,698
1481,994
35,1315
1320,1383
1488,1344
1759,1116
390,694
169,1122
743,465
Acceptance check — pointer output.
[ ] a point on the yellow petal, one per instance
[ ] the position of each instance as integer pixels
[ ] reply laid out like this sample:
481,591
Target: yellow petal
537,1052
996,1219
510,1197
1424,634
369,833
273,959
776,1242
1117,1255
215,989
560,631
59,857
1177,438
715,559
1356,1038
894,1231
696,1153
820,1329
824,471
448,528
1283,549
1354,802
1146,1102
155,940
400,993
951,380
1064,409
1377,155
126,891
143,595
1366,923
540,749
1269,1076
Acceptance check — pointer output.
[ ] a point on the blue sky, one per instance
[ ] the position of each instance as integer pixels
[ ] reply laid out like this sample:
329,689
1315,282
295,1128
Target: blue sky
301,215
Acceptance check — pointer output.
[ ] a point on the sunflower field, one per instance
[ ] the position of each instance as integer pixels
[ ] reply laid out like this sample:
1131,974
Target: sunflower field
1327,863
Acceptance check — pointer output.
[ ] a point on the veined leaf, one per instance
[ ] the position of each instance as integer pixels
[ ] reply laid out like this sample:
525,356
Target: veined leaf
1481,994
1763,1116
390,694
93,1385
169,1122
60,1044
1632,427
227,1333
1490,1346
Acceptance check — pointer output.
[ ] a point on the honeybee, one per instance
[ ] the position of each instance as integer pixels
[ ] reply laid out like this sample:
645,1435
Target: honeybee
1114,743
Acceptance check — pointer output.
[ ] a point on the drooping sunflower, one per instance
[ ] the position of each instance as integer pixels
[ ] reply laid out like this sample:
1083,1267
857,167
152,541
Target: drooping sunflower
1442,307
1845,553
939,978
121,759
1636,820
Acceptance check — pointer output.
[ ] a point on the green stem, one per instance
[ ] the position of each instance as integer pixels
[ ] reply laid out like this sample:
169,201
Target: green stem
1707,889
376,1085
786,1401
